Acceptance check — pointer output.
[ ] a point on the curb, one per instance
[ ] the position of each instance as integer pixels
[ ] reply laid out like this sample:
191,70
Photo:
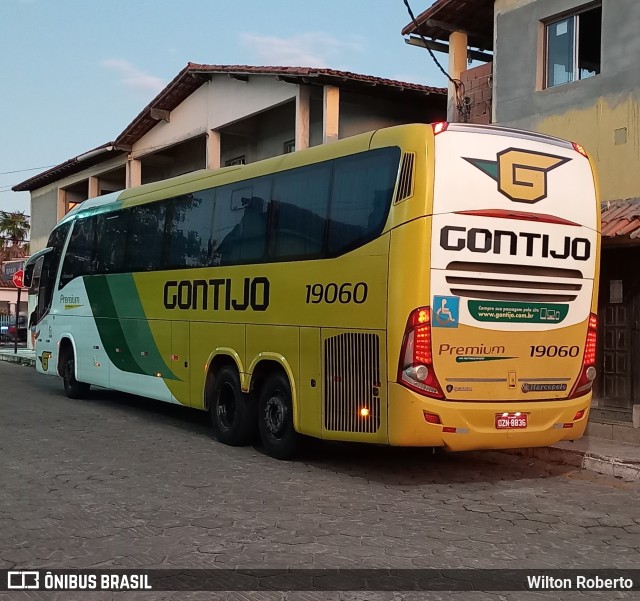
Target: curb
20,359
586,460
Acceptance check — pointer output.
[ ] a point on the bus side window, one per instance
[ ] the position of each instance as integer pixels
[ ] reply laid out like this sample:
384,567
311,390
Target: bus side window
145,237
360,197
111,231
78,259
301,199
50,266
189,230
240,221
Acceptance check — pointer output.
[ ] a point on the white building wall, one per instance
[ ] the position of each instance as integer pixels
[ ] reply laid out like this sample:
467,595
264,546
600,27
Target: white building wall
44,216
231,99
217,103
187,120
45,212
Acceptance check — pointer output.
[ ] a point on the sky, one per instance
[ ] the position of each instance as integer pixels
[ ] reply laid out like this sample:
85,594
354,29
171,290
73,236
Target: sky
74,73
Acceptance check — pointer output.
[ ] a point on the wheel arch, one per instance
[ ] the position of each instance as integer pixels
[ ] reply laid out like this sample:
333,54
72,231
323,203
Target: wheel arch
66,344
265,364
218,359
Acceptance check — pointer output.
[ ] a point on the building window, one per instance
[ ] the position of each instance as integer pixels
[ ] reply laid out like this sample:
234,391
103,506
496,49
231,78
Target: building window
573,47
241,160
289,146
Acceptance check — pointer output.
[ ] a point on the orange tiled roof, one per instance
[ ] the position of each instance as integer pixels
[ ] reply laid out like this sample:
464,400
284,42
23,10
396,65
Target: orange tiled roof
473,17
621,218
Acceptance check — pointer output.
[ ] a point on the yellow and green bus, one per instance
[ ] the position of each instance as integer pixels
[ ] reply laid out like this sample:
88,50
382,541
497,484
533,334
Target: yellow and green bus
419,285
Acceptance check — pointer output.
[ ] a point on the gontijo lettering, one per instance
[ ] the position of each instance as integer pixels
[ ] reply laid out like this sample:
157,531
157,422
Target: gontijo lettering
218,294
481,240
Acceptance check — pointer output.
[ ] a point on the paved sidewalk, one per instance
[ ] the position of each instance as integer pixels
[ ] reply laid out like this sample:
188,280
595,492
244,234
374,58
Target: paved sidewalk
24,356
618,459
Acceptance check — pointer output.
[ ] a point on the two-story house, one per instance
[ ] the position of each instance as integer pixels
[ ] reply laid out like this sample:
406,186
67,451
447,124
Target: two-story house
210,116
567,68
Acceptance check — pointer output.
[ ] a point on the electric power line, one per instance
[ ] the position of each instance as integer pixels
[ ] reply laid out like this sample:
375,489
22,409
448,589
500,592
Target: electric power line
458,86
29,169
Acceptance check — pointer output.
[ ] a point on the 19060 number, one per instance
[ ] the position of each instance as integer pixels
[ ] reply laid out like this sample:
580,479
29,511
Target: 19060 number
337,293
554,351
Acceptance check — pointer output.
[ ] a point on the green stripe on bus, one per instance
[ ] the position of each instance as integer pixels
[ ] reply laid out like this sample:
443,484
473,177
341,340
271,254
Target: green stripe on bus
108,324
127,303
102,292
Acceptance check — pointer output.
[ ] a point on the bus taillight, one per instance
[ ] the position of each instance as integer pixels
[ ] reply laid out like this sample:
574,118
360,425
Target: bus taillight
439,127
579,148
416,360
588,370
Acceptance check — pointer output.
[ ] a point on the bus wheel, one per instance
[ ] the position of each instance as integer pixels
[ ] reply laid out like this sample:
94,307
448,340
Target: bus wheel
275,418
73,389
233,415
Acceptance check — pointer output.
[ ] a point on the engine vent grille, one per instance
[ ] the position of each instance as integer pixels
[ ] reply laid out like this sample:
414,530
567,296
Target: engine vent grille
405,182
352,383
529,283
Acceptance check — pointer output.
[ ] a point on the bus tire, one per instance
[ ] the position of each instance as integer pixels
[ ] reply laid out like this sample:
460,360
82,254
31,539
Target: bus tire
275,418
72,388
233,415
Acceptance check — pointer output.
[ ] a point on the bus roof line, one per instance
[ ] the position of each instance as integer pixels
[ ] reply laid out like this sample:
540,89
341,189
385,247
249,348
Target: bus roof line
508,131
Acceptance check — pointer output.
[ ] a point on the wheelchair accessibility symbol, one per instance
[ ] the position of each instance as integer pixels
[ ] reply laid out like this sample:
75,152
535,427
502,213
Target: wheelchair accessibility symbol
445,311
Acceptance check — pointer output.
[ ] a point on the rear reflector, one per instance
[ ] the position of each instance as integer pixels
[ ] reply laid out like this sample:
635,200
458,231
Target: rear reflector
431,418
579,415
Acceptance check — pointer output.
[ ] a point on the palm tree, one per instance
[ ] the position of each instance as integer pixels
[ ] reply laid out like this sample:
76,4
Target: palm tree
14,229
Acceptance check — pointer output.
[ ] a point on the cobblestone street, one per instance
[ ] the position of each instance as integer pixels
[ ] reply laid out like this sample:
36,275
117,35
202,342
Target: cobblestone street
120,481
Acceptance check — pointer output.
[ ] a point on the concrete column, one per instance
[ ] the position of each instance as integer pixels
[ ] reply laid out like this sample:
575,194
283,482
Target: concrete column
302,117
213,149
61,205
94,187
134,172
457,64
330,113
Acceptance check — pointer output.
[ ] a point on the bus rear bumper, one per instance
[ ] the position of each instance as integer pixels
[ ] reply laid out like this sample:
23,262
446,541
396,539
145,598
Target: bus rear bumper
475,422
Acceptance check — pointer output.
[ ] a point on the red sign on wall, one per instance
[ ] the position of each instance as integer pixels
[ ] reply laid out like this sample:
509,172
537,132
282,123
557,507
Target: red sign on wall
17,278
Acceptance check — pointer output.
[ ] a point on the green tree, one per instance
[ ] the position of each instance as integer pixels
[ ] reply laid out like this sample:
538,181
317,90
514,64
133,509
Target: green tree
14,231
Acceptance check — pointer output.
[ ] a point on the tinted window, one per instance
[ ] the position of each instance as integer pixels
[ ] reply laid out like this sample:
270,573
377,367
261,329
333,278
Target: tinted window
111,235
56,241
145,239
362,190
78,259
190,230
240,222
300,211
50,264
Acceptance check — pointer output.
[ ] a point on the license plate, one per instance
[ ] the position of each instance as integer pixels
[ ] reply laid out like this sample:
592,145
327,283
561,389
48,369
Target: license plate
511,421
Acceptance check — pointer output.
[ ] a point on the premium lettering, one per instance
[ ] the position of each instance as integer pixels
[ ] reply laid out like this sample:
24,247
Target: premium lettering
218,294
530,244
482,349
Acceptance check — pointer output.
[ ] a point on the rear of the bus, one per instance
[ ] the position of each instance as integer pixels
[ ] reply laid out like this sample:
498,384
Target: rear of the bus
503,354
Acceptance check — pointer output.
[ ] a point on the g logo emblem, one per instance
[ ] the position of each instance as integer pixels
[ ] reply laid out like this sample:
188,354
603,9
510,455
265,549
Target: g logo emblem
44,360
521,174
